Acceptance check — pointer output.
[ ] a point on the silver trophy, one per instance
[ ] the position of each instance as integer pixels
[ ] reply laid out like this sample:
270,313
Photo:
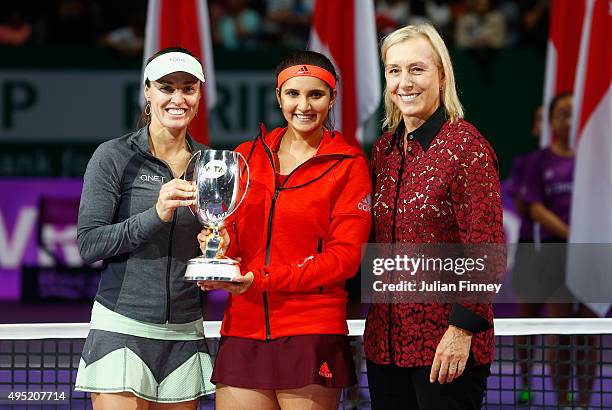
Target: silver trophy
217,177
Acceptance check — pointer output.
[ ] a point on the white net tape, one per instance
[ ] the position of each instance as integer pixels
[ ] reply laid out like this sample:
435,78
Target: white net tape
503,327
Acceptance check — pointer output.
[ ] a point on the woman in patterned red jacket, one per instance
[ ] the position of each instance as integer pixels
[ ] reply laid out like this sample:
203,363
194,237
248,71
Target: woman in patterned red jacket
435,181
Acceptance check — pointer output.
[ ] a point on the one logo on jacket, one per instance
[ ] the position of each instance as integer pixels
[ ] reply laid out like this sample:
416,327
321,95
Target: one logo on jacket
152,178
325,371
365,204
214,169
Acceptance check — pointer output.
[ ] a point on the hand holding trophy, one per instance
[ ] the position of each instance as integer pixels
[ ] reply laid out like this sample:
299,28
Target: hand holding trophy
218,180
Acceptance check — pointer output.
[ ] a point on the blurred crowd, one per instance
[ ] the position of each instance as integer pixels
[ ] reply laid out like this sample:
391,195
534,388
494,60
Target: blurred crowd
255,24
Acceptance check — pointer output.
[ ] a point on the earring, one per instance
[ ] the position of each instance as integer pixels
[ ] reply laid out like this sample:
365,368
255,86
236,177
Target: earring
147,109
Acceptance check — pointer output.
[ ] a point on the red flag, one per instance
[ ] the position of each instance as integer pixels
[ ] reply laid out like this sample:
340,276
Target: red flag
184,24
589,257
345,31
566,17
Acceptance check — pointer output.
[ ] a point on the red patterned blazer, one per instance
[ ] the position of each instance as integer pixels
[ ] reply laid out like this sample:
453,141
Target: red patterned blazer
440,185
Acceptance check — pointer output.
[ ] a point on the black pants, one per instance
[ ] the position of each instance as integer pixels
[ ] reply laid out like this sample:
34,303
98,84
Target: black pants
394,387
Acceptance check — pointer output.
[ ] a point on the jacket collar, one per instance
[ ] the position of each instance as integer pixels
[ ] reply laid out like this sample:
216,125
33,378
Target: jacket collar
332,143
141,139
426,133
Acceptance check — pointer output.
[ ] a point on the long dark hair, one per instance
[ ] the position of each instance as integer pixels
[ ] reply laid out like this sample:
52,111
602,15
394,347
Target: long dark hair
145,119
311,58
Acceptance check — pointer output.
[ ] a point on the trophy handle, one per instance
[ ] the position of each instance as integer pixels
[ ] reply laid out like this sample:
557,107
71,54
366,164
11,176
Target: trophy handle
193,165
246,188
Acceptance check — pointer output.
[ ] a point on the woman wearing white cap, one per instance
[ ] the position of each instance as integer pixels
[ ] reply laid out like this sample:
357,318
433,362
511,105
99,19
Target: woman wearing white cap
146,344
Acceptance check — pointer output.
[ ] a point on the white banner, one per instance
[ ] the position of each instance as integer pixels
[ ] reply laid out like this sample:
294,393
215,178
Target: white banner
94,106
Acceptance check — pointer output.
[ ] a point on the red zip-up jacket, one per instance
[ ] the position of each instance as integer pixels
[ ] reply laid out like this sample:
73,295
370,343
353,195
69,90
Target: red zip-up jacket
301,239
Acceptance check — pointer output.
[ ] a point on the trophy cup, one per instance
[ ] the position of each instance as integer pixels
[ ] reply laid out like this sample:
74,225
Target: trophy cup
217,178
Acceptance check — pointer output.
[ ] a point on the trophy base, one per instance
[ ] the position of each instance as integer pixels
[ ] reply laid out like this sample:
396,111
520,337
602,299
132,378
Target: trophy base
211,269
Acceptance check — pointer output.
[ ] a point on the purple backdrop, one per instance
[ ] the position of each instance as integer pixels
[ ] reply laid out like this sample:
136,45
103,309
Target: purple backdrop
20,214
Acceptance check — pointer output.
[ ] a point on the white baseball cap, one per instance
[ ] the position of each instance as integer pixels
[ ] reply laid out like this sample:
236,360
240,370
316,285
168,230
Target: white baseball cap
171,63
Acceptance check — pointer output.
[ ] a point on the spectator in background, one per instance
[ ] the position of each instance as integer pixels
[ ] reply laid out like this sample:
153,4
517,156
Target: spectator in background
128,40
481,30
481,26
14,29
239,27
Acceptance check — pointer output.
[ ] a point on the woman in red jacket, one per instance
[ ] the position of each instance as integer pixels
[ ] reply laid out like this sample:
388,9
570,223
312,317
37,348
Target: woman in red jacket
436,182
299,232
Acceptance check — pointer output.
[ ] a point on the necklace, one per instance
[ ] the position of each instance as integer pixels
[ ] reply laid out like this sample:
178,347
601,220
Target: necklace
181,151
177,166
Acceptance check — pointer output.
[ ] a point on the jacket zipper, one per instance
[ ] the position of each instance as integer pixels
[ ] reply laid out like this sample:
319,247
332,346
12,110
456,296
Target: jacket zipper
169,264
271,220
269,238
168,267
393,239
174,217
320,250
268,241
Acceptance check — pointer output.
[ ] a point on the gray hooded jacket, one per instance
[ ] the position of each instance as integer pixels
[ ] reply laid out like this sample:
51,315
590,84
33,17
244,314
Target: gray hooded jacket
144,257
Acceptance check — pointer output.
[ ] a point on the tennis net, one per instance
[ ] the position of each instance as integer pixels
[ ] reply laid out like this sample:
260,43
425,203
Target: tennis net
537,362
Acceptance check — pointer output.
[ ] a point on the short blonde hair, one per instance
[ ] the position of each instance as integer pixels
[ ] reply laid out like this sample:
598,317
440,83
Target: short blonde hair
449,97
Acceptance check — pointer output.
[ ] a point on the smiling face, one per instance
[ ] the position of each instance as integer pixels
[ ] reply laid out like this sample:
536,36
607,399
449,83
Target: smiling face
413,79
305,102
174,101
